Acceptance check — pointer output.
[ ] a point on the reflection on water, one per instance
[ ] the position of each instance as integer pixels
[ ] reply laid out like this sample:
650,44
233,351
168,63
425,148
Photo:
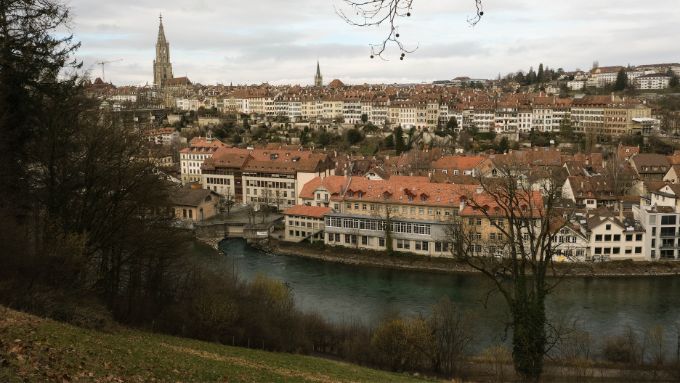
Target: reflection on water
346,293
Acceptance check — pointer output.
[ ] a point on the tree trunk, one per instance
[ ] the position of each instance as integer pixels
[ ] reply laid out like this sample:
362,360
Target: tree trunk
529,337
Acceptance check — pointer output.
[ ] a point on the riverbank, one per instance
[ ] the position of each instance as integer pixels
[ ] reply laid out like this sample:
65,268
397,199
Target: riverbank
412,262
357,257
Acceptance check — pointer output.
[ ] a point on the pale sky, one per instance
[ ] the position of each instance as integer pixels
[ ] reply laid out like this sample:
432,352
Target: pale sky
279,41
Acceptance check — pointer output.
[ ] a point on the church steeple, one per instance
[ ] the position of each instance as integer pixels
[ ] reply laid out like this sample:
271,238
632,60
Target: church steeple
161,31
318,80
162,68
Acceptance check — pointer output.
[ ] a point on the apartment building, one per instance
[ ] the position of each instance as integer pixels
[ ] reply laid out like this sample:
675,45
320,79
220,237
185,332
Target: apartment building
304,222
615,238
413,215
192,157
162,136
661,222
263,176
608,115
605,75
653,81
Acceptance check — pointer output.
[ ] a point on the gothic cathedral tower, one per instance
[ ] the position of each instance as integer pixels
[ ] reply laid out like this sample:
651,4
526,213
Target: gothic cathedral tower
318,80
162,68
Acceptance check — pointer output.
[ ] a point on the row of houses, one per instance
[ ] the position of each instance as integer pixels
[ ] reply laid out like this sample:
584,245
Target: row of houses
412,215
609,115
644,77
271,176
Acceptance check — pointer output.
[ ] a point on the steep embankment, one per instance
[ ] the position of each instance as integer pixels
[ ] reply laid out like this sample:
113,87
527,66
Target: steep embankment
38,350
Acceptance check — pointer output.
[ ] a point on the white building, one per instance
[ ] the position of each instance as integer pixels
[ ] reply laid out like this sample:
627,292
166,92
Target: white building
653,81
191,158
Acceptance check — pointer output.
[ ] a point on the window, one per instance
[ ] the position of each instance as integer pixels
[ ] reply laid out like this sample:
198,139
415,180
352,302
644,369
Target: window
629,237
638,250
668,220
607,237
364,240
598,237
608,227
381,242
598,250
617,237
616,250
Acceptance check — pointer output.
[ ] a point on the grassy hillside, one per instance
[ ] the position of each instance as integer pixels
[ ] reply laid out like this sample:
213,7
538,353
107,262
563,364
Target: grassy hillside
37,350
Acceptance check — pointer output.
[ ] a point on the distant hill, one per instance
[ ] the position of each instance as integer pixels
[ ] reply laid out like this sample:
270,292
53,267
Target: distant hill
38,350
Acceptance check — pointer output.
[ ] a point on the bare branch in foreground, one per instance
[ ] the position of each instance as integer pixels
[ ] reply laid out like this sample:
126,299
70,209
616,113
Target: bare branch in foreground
368,13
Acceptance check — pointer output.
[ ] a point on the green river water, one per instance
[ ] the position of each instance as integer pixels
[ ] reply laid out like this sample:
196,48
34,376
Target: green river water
343,293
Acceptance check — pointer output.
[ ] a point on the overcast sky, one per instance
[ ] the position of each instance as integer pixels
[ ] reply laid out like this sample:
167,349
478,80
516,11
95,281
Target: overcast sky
279,41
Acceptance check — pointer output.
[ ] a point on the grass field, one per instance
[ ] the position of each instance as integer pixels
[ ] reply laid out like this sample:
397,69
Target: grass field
37,350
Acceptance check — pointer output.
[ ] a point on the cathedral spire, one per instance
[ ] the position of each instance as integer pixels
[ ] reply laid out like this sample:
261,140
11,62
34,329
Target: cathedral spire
318,79
162,68
161,31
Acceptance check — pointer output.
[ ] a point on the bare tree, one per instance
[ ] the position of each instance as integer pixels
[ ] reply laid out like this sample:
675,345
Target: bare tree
228,200
367,13
520,218
451,336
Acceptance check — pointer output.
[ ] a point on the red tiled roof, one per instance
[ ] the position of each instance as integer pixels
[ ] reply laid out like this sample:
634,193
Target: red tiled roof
307,211
494,209
458,162
333,184
406,190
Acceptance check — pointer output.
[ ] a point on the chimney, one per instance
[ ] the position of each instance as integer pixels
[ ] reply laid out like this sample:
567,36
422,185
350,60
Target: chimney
621,210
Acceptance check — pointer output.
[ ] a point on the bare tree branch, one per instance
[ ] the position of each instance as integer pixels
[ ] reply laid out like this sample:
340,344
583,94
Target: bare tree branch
368,13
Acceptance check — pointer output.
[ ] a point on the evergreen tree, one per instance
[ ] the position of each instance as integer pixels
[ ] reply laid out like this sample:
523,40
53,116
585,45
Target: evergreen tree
675,80
541,73
451,125
503,145
399,144
389,142
531,77
621,80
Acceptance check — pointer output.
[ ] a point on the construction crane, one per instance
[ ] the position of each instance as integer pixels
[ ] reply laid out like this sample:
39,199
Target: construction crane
103,64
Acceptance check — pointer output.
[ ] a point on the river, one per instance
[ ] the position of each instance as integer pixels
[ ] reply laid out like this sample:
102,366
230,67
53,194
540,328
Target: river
342,293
